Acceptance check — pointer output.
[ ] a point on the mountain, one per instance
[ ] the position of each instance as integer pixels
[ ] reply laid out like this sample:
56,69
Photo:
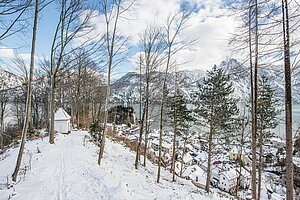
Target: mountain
126,89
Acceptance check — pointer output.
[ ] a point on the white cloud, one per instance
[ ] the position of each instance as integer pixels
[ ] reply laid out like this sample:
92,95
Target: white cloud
6,52
212,26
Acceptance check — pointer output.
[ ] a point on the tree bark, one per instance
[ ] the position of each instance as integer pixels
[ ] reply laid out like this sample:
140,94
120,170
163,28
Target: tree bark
146,130
254,100
29,95
140,140
260,162
208,177
51,110
174,137
288,102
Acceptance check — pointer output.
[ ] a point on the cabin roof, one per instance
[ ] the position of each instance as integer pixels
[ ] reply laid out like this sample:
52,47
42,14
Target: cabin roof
61,115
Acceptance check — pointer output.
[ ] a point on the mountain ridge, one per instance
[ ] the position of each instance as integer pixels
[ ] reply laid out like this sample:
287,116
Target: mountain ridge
126,89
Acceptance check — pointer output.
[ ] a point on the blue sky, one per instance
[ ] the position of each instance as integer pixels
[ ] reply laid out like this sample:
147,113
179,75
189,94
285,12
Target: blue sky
210,24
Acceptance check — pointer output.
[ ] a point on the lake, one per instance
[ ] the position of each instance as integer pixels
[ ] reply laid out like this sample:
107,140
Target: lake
280,129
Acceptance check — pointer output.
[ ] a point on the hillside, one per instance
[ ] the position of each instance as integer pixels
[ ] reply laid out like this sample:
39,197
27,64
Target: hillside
69,170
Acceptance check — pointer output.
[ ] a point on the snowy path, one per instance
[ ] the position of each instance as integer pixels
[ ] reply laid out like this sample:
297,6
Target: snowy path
68,170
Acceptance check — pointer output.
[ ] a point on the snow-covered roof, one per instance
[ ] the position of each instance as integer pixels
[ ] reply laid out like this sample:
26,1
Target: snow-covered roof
61,115
195,171
231,174
187,158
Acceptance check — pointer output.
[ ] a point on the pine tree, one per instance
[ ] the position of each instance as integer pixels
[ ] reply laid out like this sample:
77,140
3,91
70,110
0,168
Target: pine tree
266,119
178,103
180,117
217,108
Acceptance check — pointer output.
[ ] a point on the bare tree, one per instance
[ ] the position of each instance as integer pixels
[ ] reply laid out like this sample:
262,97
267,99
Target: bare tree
12,18
74,22
152,46
29,93
112,11
288,101
171,35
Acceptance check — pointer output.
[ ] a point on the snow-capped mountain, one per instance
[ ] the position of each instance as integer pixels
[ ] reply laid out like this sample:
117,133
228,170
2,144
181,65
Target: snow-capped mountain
126,89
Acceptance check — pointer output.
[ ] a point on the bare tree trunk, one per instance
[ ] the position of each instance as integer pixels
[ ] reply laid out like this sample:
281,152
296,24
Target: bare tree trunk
29,95
183,153
1,140
102,144
174,130
140,140
240,162
51,110
254,99
146,130
288,102
110,41
208,177
260,163
160,128
146,109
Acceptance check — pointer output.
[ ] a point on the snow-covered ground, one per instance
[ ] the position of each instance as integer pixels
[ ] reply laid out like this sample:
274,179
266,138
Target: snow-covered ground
69,170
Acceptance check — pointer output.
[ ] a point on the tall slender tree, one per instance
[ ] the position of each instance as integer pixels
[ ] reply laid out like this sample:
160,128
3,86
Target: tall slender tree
178,21
152,46
288,101
74,22
112,11
29,94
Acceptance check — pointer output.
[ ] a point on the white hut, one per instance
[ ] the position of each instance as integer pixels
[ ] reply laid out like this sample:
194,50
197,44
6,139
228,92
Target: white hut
62,121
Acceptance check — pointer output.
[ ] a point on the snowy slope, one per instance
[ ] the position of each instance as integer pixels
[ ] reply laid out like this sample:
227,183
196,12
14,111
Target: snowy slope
68,170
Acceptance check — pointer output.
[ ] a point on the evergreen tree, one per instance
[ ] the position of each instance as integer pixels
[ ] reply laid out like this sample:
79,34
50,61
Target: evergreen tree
266,119
181,118
178,103
266,107
216,107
